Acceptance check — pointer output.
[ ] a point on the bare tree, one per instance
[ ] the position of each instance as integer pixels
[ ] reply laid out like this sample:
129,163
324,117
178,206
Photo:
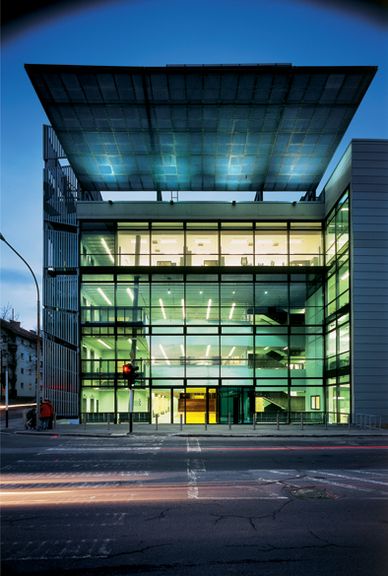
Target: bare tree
7,312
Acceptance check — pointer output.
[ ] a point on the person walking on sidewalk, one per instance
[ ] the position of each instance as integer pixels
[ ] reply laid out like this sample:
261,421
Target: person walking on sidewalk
45,413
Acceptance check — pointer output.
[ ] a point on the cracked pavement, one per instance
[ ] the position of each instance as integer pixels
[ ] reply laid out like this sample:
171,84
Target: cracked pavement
190,507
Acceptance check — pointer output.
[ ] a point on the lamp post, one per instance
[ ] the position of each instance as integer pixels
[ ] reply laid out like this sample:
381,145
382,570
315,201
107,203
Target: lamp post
37,386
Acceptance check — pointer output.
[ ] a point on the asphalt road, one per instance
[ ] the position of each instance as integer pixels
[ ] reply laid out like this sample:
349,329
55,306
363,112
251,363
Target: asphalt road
194,506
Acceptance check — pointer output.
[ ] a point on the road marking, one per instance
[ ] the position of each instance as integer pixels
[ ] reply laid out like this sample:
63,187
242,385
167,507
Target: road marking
341,485
139,449
193,445
359,478
194,467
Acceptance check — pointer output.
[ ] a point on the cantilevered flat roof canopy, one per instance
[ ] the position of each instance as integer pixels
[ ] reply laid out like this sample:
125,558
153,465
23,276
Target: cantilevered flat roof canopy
240,128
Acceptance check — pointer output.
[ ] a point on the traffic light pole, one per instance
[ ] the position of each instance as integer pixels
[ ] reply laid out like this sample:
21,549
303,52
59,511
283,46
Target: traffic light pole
130,413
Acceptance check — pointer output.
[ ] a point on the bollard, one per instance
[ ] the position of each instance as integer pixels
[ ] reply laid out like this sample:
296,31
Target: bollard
349,421
84,421
108,421
277,421
301,420
229,422
254,421
205,421
181,422
326,418
157,421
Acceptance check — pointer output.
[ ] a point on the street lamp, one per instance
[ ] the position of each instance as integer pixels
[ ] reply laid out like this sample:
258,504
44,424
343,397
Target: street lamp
37,386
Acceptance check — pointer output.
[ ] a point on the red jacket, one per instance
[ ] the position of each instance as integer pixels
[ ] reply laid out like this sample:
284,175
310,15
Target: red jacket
46,410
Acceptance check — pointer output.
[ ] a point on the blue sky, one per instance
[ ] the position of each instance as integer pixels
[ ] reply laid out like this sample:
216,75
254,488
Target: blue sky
159,32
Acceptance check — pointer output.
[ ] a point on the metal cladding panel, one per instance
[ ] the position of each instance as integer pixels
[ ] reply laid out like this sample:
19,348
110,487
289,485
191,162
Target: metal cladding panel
369,277
214,128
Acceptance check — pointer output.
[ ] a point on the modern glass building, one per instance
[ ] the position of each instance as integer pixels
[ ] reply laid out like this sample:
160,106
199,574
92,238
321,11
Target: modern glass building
232,310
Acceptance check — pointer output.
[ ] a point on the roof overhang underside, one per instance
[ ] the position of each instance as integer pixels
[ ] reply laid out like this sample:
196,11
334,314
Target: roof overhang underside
213,128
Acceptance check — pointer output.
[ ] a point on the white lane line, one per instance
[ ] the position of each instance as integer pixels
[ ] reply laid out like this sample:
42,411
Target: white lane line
194,467
139,449
243,498
341,485
359,478
193,445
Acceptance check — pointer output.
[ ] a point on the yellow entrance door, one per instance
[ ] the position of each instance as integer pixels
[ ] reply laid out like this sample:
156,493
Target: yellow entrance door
197,405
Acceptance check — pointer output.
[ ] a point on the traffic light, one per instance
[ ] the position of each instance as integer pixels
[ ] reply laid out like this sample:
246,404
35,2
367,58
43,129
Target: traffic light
130,373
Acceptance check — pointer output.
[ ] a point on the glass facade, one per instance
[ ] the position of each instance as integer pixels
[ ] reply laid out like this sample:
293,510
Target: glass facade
337,311
211,345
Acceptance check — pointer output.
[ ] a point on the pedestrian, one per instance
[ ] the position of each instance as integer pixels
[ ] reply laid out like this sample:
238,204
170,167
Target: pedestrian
51,417
45,411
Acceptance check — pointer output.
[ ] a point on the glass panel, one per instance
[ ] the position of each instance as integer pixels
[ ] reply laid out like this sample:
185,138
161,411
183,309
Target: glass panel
97,404
97,249
167,248
202,302
178,403
237,247
133,248
271,248
161,406
195,400
236,405
167,356
272,402
202,248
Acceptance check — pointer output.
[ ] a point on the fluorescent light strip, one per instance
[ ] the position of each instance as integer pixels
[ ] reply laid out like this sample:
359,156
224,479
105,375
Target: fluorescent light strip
107,249
130,294
182,350
162,308
100,291
232,310
208,350
104,344
183,308
164,354
231,352
209,305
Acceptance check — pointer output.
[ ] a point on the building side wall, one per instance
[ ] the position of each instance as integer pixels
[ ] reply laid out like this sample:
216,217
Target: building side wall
60,280
369,287
338,181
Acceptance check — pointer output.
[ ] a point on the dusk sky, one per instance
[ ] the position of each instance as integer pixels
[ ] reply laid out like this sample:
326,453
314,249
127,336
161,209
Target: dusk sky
160,32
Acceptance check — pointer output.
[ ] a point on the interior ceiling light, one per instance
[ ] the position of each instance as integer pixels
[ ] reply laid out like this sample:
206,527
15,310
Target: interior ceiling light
100,291
182,350
107,249
183,308
232,310
162,308
164,354
231,352
208,350
104,344
130,294
209,305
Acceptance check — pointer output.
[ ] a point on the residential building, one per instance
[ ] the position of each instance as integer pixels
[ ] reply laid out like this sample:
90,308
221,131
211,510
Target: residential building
18,357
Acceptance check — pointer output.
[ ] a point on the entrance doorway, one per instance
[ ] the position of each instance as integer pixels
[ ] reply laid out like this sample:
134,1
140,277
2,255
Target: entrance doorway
236,405
200,405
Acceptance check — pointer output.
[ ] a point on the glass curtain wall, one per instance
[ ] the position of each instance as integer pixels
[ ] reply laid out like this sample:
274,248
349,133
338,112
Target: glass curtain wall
337,310
226,244
212,347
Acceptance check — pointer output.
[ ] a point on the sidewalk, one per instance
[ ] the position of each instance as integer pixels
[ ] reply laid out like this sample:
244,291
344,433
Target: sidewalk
213,430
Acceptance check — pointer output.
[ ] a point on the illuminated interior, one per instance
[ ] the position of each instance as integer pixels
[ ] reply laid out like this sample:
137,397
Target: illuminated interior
211,346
